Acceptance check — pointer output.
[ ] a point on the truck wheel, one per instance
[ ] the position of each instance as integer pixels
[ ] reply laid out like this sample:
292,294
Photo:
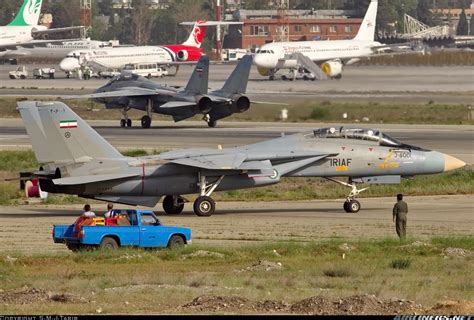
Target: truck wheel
108,243
22,77
176,242
204,206
170,208
12,77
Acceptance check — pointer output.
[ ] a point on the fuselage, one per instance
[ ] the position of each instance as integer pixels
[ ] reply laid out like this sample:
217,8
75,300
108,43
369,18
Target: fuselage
118,57
276,55
365,154
17,35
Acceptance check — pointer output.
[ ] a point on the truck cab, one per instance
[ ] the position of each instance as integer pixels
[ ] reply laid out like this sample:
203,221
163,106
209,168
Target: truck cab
136,228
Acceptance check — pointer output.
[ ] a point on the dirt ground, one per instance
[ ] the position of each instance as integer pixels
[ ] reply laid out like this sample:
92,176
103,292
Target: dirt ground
317,305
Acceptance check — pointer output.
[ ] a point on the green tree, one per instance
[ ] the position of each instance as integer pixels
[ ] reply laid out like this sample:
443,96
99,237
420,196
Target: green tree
423,11
463,27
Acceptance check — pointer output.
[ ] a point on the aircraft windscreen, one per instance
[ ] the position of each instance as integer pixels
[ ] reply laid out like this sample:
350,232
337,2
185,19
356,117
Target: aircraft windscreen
356,134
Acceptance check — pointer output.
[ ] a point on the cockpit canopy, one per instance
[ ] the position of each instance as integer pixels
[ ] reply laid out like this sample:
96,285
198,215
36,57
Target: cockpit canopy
357,134
124,76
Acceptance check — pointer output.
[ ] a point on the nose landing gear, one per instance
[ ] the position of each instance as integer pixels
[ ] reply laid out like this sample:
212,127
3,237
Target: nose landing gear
351,205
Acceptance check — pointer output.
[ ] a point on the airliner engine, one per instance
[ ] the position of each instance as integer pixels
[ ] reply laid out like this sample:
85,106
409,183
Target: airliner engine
182,55
332,69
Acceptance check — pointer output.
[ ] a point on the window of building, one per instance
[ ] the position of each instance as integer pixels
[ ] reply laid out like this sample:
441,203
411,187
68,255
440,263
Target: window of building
298,28
348,29
315,29
333,29
259,30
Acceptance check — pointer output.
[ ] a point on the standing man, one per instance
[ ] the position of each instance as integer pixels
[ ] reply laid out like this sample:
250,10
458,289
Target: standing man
400,211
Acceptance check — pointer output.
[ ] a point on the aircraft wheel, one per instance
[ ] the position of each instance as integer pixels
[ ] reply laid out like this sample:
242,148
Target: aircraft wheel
122,123
146,122
212,123
353,206
204,206
129,123
346,206
170,208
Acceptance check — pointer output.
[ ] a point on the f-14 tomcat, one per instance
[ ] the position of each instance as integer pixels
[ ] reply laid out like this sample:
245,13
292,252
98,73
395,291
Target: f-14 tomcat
77,160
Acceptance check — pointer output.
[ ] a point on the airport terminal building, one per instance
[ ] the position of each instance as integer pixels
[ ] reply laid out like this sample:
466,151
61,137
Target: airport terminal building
262,26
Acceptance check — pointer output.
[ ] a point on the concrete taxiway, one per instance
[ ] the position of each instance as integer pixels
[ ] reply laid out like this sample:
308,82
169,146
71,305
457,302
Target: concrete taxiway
28,228
362,83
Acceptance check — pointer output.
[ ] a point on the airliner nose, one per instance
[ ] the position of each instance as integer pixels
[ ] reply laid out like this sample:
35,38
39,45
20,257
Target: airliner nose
452,163
69,64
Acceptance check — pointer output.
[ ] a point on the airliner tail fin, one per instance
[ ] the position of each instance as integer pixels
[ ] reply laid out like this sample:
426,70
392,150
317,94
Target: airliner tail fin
29,14
367,28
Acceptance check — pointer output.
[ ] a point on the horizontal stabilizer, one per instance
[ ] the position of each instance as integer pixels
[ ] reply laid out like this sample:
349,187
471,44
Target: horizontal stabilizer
134,201
91,179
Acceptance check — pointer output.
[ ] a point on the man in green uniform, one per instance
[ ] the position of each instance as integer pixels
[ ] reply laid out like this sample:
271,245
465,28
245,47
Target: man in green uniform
400,210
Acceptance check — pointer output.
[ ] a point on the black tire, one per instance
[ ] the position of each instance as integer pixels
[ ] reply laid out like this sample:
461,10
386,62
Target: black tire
354,206
12,77
129,123
109,244
122,123
170,208
22,77
346,206
284,78
271,78
204,206
146,122
148,76
212,123
176,242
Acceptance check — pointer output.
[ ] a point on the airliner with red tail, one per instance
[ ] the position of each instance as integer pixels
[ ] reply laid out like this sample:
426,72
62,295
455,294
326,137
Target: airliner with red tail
118,57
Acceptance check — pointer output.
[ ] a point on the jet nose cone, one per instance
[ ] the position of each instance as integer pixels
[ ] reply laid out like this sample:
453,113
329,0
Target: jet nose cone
68,64
452,163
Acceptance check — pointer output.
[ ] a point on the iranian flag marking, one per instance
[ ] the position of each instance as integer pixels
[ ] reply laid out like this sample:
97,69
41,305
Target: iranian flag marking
68,124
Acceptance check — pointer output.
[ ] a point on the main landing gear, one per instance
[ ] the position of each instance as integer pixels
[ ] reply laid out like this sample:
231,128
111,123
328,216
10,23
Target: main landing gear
351,205
204,205
146,120
211,123
125,121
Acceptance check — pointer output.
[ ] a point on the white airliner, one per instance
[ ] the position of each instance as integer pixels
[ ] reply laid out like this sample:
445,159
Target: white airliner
24,29
117,57
330,55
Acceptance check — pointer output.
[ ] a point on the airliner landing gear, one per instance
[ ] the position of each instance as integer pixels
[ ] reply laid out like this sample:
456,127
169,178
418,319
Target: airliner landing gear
125,122
351,205
204,206
173,205
271,74
146,120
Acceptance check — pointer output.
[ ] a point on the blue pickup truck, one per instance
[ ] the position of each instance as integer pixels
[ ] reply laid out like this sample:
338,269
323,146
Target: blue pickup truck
137,228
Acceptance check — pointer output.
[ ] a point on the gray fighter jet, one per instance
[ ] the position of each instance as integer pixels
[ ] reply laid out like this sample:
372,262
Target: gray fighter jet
129,91
77,160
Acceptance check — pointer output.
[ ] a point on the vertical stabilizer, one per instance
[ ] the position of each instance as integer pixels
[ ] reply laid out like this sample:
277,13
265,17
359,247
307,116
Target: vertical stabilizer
199,81
237,81
367,28
29,14
197,35
59,135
